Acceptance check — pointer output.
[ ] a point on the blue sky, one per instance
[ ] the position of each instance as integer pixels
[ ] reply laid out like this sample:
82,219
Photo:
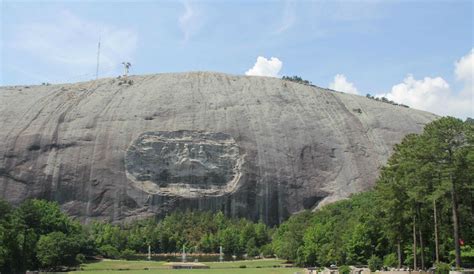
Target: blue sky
413,52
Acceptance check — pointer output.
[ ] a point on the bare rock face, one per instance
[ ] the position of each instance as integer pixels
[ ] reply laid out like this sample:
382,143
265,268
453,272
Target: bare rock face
253,147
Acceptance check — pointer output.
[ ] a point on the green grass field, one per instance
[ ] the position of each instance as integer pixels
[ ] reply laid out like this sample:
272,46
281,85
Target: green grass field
267,266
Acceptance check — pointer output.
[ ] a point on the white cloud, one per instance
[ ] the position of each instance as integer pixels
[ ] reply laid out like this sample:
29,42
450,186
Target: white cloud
265,67
436,95
189,21
70,42
340,83
464,70
421,94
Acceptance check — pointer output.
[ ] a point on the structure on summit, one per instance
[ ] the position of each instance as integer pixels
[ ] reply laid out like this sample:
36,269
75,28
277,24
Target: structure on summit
253,147
126,68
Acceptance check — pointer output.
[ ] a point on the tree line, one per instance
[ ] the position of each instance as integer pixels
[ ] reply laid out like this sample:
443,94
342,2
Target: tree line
37,235
419,214
385,100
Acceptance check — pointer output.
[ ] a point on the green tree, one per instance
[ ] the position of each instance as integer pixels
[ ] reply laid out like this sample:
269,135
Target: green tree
229,239
108,235
288,237
450,141
22,228
359,246
57,249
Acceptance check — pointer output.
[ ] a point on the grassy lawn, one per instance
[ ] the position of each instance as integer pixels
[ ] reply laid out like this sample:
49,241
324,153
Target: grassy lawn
121,264
201,271
129,267
247,263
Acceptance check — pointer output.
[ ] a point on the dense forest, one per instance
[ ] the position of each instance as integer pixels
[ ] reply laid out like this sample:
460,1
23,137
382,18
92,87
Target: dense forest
421,211
38,235
419,214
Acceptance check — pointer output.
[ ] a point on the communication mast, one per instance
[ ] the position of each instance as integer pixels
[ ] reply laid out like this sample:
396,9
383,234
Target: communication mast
98,59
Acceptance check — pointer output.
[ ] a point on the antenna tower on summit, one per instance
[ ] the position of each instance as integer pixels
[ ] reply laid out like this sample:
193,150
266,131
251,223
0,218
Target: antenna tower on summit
98,59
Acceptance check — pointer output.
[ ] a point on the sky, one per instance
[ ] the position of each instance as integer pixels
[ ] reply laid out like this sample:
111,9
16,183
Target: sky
419,53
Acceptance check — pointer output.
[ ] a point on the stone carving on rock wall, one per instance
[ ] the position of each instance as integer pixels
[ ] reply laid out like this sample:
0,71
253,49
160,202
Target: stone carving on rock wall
184,163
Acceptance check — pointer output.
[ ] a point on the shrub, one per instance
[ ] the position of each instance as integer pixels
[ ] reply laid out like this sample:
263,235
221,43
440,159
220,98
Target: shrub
267,250
109,251
252,252
127,254
442,268
296,79
242,266
467,255
344,269
80,258
390,260
375,263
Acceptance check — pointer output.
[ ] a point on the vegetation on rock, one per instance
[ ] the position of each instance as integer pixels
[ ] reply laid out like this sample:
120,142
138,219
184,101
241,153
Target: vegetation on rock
385,100
296,79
